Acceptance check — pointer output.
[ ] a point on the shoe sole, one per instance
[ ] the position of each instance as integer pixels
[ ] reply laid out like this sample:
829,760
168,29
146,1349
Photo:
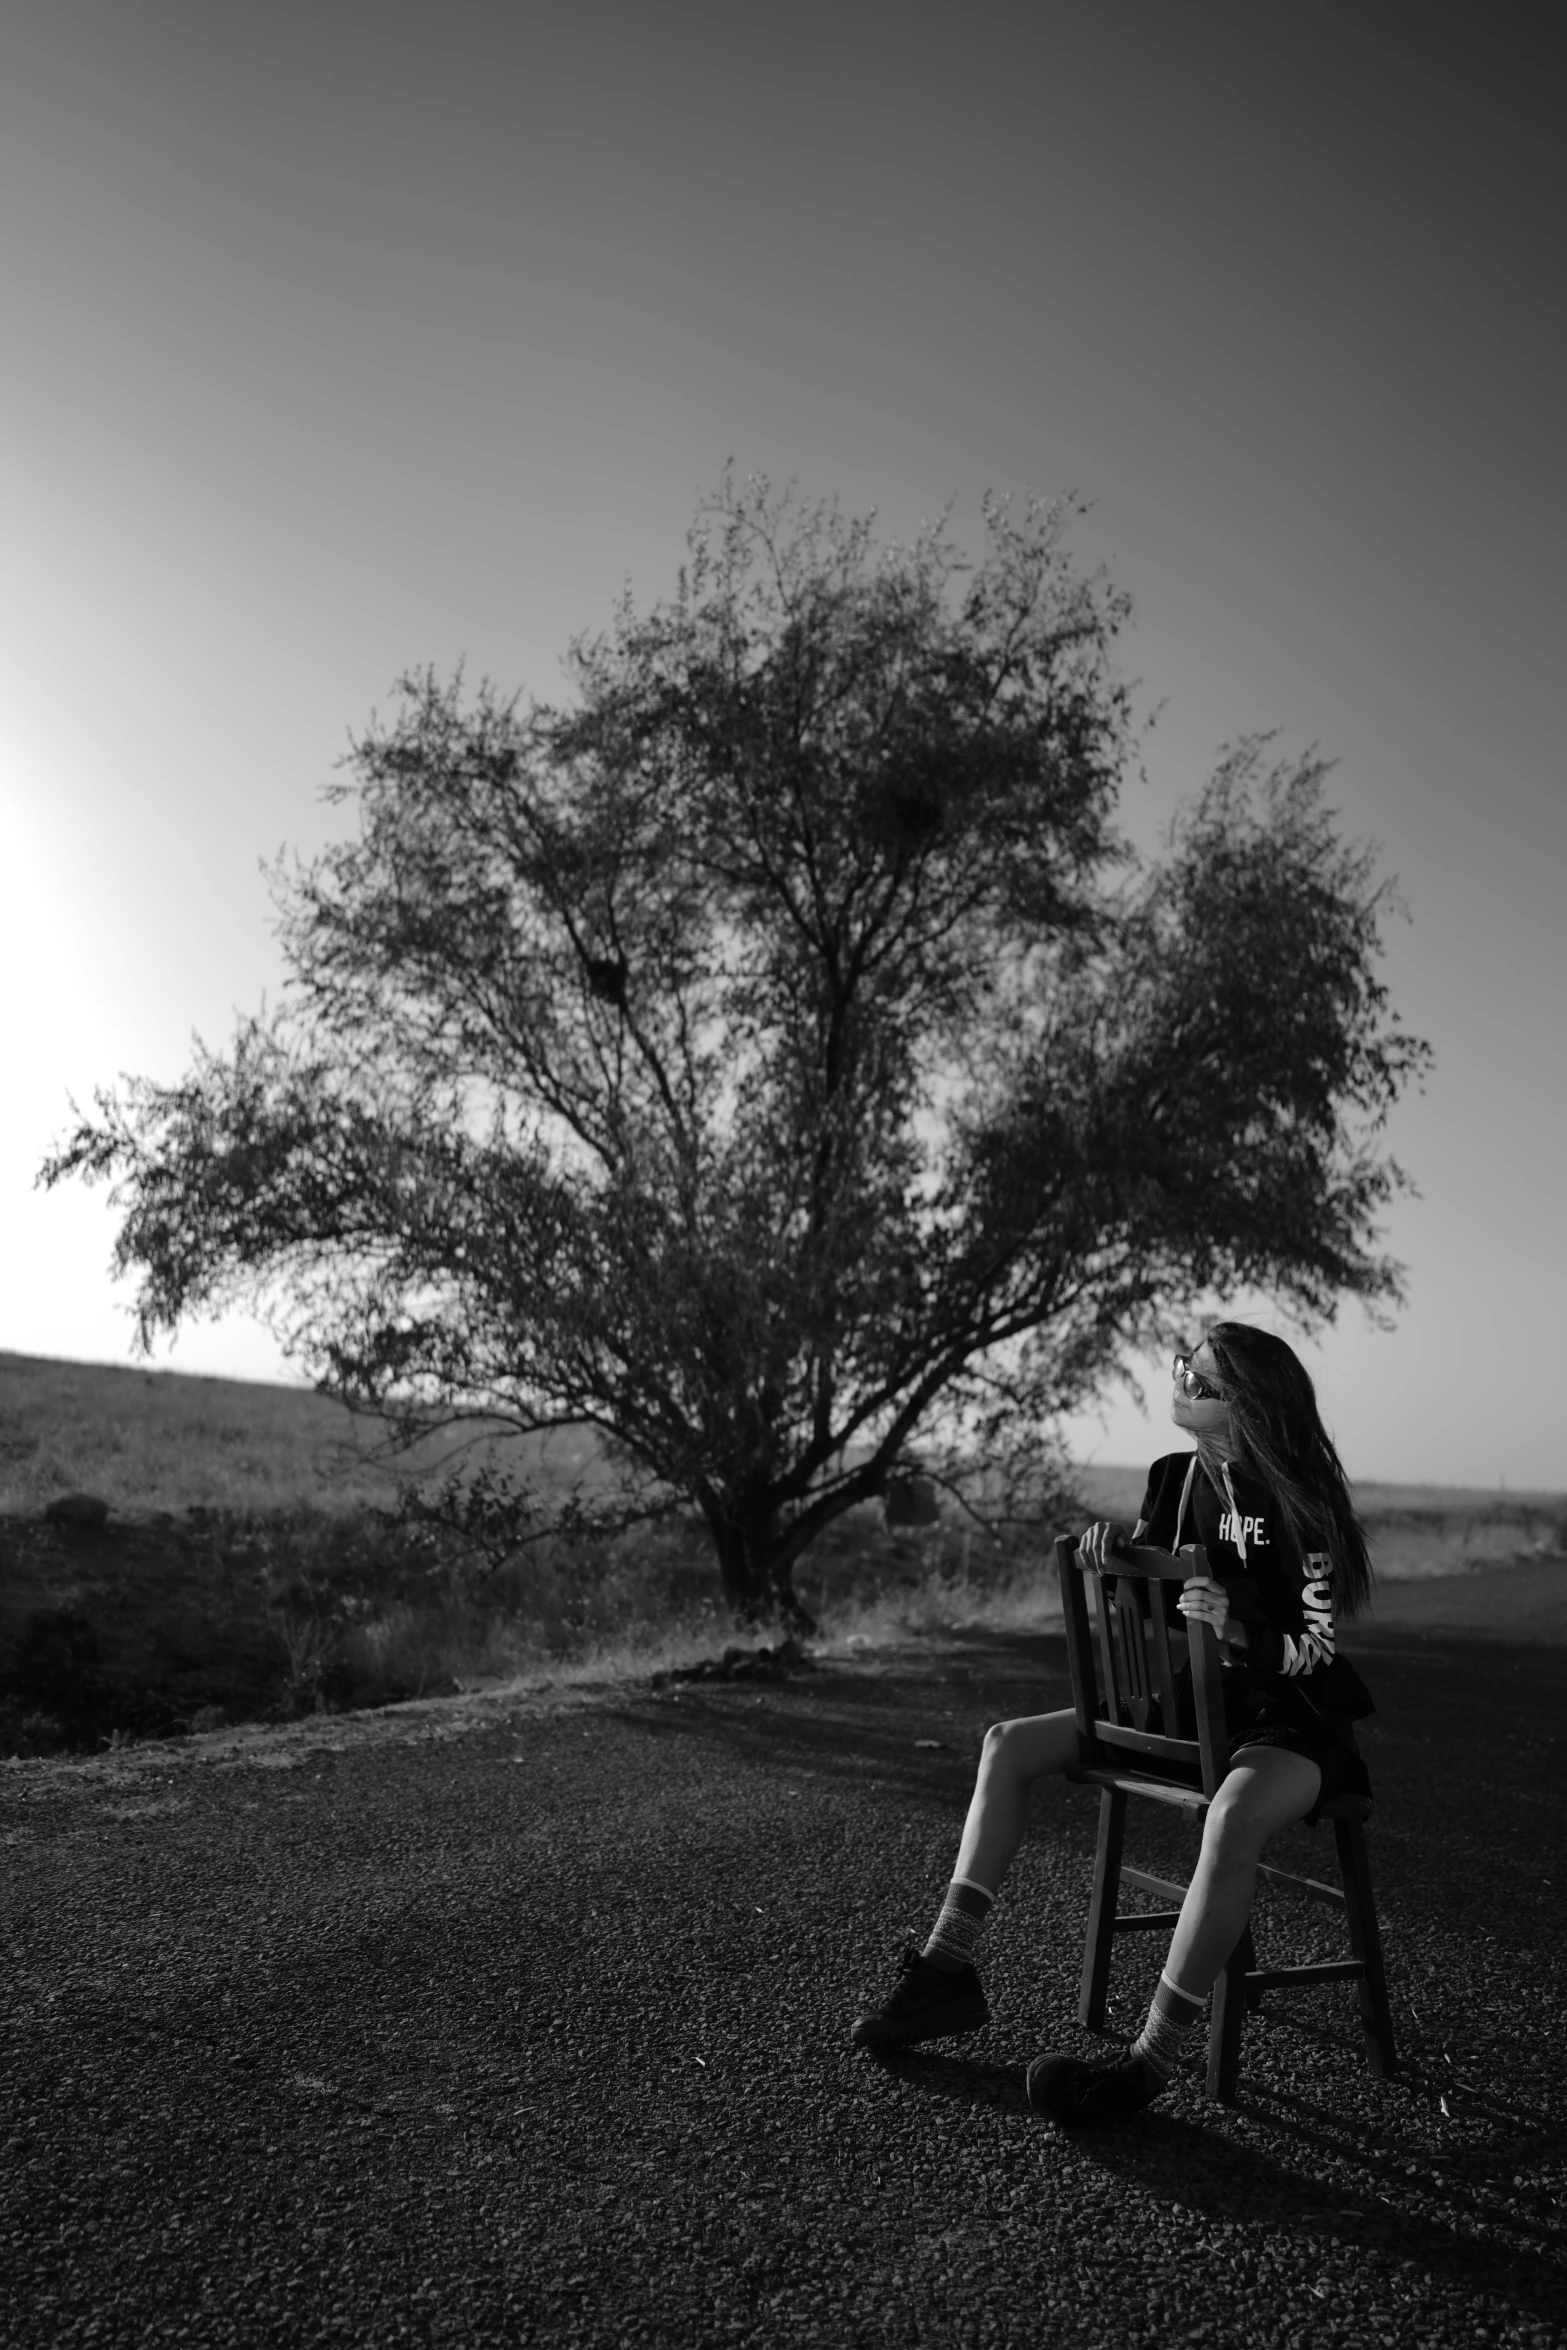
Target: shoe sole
1073,2113
972,2016
1067,2120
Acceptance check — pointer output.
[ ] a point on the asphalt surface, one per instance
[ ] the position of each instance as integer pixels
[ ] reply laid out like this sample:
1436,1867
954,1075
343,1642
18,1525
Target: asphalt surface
526,2020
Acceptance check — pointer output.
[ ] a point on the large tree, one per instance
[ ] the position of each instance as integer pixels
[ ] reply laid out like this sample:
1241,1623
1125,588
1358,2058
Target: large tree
776,1061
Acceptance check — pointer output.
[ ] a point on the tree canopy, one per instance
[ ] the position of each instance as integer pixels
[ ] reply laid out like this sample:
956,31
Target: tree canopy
776,1061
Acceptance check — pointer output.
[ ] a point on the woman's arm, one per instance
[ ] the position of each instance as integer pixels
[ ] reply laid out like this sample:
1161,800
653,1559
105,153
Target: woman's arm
1317,1643
1270,1650
1280,1563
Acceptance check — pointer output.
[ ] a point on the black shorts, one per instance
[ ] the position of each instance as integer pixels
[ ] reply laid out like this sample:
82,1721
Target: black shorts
1254,1717
1331,1745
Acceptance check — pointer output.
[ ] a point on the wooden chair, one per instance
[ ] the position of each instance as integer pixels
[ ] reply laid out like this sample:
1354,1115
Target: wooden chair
1122,1756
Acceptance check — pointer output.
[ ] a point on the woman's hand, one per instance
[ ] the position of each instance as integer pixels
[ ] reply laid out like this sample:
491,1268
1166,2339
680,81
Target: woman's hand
1097,1541
1203,1601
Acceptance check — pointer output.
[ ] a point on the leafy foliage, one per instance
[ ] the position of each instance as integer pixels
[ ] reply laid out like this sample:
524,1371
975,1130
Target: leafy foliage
776,1061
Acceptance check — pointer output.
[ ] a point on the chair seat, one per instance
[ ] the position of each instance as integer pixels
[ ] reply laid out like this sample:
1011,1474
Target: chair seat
1188,1799
1349,1806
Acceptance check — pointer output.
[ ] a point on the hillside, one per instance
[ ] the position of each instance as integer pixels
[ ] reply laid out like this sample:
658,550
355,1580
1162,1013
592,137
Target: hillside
171,1440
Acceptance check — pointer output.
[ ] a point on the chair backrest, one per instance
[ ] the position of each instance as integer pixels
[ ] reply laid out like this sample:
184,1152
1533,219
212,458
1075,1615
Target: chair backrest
1131,1638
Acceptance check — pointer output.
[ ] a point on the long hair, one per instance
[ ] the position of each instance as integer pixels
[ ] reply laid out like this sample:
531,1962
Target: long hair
1280,1436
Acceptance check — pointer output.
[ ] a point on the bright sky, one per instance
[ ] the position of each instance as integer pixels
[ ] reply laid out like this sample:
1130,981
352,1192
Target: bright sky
342,339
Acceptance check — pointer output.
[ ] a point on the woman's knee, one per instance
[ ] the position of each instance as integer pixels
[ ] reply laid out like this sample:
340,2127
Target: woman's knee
1030,1746
1235,1828
1254,1801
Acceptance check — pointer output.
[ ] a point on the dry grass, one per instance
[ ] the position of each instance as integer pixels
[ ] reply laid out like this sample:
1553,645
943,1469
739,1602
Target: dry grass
167,1440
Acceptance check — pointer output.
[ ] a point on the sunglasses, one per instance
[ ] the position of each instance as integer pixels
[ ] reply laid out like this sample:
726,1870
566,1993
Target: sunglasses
1192,1383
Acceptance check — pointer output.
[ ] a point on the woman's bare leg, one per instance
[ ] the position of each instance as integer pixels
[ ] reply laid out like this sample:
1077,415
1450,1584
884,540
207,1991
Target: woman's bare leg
942,1995
1265,1788
1014,1755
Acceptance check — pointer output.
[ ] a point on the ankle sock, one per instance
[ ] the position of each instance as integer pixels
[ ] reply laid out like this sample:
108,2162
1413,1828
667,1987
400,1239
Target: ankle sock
1174,2015
953,1936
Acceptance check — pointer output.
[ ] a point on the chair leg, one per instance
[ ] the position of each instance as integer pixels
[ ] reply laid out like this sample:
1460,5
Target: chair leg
1100,1940
1365,1942
1227,2020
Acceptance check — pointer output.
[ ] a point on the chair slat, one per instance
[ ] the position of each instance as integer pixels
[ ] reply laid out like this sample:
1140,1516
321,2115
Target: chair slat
1079,1643
1117,1735
1164,1660
1110,1681
1312,1887
1122,1597
1147,1884
1347,1970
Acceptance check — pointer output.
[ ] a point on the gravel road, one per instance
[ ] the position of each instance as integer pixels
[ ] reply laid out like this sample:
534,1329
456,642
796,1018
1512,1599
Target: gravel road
525,2019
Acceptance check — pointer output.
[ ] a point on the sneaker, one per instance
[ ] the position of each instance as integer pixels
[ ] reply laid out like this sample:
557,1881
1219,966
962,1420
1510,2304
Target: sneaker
1075,2093
929,2004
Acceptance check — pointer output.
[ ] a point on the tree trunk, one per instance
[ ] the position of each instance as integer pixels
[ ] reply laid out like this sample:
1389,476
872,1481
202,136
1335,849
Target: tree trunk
757,1577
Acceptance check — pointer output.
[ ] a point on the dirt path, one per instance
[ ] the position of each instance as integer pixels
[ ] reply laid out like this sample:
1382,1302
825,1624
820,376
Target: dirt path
503,2022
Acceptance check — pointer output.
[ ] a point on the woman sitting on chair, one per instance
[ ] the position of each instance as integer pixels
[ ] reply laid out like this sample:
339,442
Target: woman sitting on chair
1264,1494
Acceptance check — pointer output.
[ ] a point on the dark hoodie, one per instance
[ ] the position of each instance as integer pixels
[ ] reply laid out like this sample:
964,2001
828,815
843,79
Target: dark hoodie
1284,1600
